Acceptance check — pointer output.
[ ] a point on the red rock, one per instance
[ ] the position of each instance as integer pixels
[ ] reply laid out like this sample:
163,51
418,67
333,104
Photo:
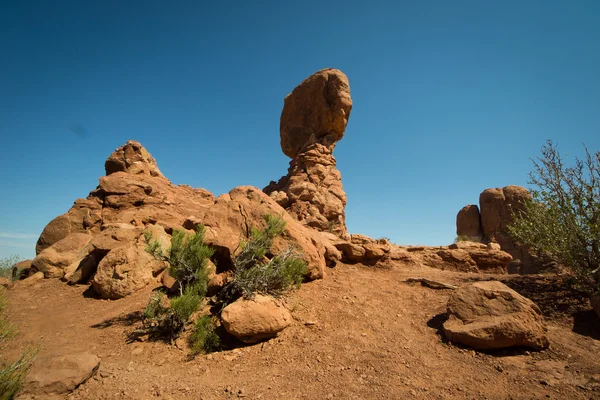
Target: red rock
316,111
257,319
490,315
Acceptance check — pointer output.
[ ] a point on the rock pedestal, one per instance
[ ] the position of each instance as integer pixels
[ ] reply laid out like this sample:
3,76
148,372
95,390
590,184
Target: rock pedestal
313,119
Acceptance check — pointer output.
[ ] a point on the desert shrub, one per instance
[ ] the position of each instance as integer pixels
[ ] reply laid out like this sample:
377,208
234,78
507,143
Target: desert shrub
255,273
462,238
187,258
166,319
186,304
562,219
204,338
12,375
6,267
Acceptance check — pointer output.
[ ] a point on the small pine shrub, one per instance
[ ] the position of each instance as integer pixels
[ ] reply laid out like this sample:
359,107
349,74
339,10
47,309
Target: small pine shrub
187,258
255,273
186,304
204,338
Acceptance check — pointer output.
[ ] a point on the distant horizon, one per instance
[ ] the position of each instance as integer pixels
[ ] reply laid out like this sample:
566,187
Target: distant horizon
448,100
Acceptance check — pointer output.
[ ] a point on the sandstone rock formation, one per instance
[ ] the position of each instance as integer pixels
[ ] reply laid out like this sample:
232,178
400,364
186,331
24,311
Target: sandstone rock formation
313,119
316,111
60,374
462,256
496,207
255,319
490,315
468,223
101,238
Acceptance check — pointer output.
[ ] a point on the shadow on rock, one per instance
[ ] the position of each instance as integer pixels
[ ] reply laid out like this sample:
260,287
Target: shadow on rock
436,322
587,323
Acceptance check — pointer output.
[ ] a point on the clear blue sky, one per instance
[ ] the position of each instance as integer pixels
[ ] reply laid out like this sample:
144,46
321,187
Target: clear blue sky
450,98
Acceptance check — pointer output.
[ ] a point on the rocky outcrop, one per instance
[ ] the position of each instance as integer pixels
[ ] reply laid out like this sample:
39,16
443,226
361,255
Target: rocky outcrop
253,320
468,223
101,239
490,315
496,209
313,119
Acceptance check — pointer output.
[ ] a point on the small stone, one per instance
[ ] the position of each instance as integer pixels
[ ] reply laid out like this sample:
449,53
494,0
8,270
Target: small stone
137,351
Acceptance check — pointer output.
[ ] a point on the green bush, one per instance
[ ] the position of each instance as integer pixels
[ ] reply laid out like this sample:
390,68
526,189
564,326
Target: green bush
255,273
186,304
562,219
187,257
204,338
12,375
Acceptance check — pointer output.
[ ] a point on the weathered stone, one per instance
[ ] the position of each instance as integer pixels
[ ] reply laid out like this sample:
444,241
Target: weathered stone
490,315
21,270
53,260
133,158
257,319
123,271
468,223
312,191
316,111
60,374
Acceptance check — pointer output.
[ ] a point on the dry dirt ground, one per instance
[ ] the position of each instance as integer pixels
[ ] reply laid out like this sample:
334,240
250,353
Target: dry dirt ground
361,333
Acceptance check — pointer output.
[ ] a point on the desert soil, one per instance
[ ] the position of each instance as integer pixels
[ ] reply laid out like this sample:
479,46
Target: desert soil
361,333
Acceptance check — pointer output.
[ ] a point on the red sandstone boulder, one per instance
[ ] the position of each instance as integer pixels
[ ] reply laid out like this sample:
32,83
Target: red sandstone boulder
490,315
62,256
255,319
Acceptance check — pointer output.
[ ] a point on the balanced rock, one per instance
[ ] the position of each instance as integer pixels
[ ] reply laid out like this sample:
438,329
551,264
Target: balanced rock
490,315
60,374
316,111
253,320
313,120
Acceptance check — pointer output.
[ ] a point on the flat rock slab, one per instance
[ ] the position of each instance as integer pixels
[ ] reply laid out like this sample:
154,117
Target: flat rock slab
61,374
490,315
